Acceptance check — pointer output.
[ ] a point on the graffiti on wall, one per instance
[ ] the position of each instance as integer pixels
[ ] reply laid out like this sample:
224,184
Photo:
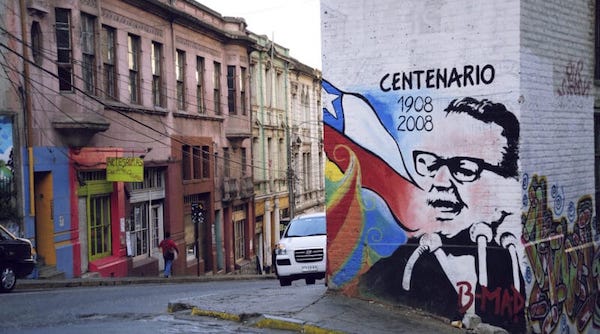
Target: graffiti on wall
411,201
573,81
565,262
8,210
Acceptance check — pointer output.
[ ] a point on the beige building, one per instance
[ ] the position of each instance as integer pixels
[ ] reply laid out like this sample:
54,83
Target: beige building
287,142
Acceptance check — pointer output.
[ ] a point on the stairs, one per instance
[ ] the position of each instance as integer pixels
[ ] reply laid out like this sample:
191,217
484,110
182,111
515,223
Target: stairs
49,272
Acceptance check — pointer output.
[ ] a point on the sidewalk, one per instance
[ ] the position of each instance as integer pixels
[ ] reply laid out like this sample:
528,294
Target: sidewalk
312,309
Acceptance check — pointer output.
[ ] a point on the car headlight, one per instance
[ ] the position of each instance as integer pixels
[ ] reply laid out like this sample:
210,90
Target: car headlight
280,249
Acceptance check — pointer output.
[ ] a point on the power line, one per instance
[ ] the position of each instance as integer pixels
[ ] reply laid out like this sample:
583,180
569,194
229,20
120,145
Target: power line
97,100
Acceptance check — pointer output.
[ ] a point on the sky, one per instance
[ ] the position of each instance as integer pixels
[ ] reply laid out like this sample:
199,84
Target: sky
293,24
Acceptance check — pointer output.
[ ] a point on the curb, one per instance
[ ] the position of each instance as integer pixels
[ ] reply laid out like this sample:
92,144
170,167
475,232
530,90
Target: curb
254,320
34,284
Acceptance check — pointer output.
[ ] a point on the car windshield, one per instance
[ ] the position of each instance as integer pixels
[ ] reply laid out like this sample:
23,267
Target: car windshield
5,235
306,227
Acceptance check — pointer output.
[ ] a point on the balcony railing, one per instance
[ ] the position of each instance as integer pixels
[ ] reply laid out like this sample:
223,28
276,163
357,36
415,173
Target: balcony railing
235,188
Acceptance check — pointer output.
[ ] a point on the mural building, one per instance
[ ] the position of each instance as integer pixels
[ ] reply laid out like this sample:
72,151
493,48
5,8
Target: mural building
459,172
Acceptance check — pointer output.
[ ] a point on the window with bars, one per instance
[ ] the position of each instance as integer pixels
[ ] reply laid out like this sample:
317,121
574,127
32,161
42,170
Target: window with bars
99,227
133,46
231,89
180,75
217,87
153,178
157,92
200,84
88,48
109,61
64,51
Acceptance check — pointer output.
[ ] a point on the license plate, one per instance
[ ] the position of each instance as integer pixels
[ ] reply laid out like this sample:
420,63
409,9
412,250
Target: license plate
309,268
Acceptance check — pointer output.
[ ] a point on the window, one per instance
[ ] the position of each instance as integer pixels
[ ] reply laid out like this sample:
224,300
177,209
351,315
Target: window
205,162
63,49
200,84
240,247
180,74
133,46
226,163
36,43
217,88
268,87
244,161
99,227
88,48
306,171
195,162
153,178
108,55
138,229
186,162
279,91
231,89
157,97
282,157
243,90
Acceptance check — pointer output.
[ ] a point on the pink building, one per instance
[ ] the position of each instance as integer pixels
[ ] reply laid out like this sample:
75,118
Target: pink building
159,82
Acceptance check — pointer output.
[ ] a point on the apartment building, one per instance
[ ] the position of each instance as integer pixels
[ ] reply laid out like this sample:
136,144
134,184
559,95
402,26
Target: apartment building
131,120
287,142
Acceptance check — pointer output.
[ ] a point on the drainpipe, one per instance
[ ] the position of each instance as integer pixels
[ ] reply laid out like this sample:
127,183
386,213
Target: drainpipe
27,105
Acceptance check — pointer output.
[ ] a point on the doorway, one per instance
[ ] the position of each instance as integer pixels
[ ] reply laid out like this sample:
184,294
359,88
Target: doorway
44,220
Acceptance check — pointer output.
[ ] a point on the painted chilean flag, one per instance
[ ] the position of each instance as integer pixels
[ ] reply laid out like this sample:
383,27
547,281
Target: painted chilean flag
350,122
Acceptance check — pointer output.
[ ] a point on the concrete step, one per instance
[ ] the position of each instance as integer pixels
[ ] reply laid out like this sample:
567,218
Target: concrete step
50,272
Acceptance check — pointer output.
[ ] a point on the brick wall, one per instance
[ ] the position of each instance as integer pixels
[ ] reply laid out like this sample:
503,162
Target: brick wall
443,124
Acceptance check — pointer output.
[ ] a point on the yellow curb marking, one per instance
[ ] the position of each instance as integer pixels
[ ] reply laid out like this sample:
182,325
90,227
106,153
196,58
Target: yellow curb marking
216,314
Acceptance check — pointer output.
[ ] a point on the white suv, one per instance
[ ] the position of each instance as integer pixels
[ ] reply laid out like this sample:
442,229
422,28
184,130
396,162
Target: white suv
302,251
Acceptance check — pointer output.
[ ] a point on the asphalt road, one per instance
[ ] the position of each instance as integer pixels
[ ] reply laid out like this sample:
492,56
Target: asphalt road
119,309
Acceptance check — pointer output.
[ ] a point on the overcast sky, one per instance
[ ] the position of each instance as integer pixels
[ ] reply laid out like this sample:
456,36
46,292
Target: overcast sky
294,24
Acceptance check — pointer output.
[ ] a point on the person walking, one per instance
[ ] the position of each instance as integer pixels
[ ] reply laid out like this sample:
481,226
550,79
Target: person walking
170,252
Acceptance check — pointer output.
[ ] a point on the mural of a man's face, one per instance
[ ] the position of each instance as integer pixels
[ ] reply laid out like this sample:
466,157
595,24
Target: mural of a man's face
456,168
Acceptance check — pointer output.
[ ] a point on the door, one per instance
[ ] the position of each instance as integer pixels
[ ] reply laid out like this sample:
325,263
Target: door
157,233
44,222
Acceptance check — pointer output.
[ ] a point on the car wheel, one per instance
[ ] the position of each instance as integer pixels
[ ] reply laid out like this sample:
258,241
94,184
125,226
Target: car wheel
310,281
8,279
285,282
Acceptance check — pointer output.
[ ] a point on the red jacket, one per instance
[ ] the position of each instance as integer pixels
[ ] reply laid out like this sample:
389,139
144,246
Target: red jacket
168,244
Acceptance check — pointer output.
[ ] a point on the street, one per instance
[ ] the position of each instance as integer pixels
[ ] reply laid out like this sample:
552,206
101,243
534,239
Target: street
120,309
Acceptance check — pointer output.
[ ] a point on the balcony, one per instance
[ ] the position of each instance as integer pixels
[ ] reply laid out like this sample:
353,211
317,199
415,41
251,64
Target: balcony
237,188
247,188
230,189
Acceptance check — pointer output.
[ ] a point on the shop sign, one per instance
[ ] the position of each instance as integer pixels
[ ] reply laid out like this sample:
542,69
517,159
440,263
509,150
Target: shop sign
125,169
